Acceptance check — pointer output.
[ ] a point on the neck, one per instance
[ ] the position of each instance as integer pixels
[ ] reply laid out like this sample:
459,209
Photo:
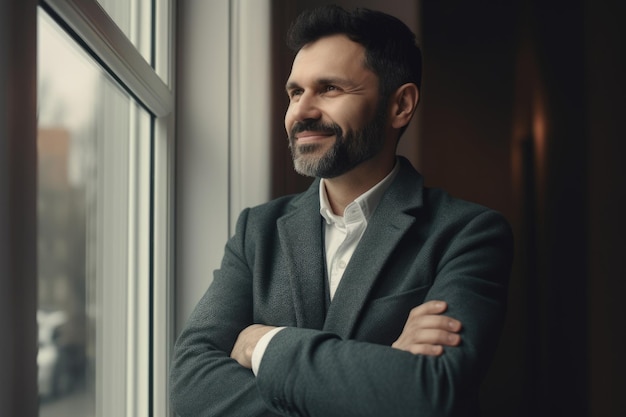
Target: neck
344,189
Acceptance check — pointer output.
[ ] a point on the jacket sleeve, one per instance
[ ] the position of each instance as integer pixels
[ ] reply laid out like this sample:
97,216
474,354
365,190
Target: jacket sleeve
204,380
311,373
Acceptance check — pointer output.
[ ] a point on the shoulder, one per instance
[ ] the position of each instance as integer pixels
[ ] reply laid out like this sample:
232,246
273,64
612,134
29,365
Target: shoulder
445,205
266,214
433,205
284,204
453,221
444,208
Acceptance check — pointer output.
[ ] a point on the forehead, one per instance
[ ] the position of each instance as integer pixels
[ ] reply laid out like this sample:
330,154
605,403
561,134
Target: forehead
331,56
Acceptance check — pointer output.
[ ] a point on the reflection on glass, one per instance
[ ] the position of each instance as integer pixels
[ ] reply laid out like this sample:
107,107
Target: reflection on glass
87,130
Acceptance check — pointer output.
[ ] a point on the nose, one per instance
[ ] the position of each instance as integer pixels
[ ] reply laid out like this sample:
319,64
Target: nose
304,107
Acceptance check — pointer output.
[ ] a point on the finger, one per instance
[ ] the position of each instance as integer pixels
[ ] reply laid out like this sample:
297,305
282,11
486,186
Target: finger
433,337
433,322
426,339
429,307
424,349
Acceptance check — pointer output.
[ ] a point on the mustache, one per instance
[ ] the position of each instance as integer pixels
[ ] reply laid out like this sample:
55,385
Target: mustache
314,125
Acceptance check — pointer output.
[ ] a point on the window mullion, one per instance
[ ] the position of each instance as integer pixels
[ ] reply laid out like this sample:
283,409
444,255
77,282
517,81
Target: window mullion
138,277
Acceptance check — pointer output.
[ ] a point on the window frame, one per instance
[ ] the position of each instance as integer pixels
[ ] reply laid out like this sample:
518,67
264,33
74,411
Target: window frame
108,44
96,32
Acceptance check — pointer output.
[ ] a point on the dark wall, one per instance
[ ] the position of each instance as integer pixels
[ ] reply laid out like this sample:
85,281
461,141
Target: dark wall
520,113
605,53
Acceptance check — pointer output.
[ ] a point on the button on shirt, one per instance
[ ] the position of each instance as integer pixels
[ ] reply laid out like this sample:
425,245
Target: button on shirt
342,236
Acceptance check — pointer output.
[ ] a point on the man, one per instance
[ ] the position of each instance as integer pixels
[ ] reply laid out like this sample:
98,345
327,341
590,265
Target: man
330,303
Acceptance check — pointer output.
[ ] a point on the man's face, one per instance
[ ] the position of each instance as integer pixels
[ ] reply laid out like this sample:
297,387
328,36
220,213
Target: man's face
335,118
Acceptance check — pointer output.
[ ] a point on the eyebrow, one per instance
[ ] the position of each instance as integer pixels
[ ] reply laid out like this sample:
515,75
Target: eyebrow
321,81
291,85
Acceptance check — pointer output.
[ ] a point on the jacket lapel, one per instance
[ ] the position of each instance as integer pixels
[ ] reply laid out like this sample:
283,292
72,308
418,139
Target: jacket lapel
386,227
301,242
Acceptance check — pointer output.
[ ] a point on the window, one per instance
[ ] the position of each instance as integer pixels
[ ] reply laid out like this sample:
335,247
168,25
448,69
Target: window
133,17
104,180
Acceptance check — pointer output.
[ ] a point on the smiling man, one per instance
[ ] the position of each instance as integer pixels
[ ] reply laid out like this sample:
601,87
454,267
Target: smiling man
369,294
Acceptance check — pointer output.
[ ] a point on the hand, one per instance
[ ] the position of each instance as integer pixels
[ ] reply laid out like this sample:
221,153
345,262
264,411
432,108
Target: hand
427,331
246,342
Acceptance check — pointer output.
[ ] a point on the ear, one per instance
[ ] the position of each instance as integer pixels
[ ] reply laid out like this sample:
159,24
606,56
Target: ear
403,104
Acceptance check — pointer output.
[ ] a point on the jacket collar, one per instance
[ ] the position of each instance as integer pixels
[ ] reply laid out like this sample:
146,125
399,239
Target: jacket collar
301,238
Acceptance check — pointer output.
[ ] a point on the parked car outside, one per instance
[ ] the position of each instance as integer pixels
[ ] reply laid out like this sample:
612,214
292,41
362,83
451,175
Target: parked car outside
54,375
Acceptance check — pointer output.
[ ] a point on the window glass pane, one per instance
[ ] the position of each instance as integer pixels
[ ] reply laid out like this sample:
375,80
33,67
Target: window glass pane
92,145
134,17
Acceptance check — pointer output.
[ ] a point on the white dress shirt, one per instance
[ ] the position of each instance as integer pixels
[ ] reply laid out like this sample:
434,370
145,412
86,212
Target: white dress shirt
342,236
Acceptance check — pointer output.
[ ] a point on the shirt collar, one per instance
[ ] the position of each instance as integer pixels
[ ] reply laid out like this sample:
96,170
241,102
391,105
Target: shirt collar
363,206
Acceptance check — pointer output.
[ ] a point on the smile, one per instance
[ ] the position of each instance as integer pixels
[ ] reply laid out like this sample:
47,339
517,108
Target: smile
310,136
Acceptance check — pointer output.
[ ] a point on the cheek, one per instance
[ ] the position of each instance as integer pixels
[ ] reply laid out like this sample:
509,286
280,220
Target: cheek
289,120
353,118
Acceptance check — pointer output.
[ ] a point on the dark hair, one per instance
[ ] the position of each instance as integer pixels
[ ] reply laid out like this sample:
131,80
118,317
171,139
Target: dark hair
391,51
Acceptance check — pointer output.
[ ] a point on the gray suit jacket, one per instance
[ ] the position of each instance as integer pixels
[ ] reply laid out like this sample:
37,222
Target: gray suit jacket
420,244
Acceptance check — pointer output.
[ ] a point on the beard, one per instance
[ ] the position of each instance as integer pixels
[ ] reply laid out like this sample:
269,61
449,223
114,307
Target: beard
349,150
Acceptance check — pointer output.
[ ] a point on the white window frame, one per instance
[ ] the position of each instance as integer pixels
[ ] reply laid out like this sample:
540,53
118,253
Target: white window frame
154,88
100,33
223,133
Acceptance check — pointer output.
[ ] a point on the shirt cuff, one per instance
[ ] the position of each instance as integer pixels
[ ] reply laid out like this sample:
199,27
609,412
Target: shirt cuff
259,349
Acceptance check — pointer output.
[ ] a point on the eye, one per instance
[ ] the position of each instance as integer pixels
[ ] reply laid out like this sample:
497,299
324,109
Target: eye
294,92
331,90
